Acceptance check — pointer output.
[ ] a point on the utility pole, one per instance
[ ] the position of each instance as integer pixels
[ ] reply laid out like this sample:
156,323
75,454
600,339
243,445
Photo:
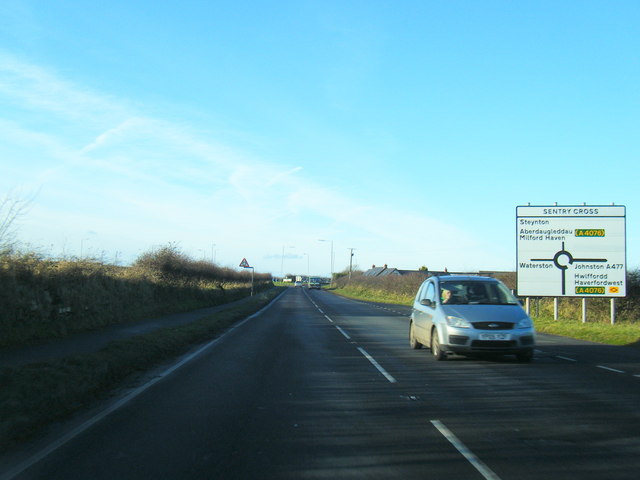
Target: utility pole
322,240
350,261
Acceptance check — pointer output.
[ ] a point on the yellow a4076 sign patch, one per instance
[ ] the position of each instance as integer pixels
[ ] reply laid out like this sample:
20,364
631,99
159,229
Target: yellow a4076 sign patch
589,232
590,290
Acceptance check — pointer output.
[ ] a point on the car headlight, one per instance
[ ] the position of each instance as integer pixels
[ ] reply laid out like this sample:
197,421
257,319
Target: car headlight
525,323
458,322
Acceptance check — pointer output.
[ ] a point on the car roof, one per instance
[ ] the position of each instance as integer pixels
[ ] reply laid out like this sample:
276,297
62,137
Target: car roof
444,278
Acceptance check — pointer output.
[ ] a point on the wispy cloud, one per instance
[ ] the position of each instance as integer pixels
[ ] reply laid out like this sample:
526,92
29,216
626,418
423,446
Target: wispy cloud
277,178
113,169
32,87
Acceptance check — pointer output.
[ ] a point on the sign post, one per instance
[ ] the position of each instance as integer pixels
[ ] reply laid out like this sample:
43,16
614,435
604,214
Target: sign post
571,251
245,264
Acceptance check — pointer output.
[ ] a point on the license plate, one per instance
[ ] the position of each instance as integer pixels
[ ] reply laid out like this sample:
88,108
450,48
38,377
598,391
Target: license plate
495,336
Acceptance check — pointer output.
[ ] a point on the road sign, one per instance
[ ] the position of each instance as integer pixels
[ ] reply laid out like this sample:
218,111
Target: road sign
571,251
244,263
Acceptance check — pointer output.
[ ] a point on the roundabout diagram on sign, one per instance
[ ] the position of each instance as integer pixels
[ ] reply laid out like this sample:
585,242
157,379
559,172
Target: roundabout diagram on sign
562,259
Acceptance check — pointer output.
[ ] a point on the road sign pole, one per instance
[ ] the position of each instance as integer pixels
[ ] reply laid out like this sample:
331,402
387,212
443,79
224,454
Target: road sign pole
613,311
245,264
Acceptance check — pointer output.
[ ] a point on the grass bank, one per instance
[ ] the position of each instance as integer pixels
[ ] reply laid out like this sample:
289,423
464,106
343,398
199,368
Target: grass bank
34,396
359,292
45,298
622,333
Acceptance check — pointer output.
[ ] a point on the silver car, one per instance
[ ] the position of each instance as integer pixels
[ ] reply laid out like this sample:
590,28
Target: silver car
470,315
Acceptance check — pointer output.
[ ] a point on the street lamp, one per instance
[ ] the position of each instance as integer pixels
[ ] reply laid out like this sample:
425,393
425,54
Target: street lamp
322,240
82,245
308,271
282,262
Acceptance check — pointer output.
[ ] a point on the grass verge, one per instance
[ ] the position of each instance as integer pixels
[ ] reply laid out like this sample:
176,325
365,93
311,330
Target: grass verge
622,333
372,295
34,396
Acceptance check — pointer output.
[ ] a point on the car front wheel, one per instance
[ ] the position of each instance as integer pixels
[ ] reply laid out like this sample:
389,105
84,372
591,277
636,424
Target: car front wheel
436,350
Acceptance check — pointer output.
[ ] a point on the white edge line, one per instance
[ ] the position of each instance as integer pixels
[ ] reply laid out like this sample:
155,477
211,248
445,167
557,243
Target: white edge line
123,401
466,453
328,318
377,365
610,369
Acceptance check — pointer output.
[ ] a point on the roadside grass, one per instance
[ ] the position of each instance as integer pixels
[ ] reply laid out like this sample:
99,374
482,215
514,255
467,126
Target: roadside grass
373,295
621,333
34,396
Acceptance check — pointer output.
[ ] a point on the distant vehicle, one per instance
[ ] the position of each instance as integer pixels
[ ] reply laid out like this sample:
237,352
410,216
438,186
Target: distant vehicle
315,283
470,315
297,284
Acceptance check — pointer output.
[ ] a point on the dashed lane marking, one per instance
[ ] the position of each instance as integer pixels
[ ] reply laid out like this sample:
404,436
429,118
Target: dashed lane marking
610,369
466,453
377,365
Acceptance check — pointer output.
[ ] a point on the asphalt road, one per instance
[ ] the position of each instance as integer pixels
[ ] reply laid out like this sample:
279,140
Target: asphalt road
321,387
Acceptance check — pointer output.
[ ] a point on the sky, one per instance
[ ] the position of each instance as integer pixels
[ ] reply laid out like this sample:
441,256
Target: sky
282,131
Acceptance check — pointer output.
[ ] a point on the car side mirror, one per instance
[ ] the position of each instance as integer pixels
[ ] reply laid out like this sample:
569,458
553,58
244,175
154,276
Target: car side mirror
426,302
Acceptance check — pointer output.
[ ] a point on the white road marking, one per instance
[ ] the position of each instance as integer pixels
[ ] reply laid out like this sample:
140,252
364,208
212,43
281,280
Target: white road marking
345,334
610,369
377,365
386,374
566,358
466,453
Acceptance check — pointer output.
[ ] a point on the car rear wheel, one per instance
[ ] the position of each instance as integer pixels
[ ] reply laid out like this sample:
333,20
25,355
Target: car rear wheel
436,349
413,343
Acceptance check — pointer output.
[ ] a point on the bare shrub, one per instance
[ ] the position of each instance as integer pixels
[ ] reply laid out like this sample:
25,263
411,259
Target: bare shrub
170,264
10,210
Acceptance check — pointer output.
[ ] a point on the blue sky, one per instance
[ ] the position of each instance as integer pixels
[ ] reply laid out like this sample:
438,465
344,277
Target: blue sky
408,130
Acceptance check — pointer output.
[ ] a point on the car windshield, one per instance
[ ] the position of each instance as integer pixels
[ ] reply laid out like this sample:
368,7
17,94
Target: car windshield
475,292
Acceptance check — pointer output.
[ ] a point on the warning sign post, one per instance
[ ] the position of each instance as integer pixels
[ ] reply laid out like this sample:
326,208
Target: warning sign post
571,251
245,264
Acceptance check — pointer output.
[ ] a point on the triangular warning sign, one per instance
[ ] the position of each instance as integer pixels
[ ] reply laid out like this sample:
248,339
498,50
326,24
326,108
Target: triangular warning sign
244,263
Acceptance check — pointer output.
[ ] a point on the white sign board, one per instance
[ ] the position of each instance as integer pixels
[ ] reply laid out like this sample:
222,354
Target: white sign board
571,251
